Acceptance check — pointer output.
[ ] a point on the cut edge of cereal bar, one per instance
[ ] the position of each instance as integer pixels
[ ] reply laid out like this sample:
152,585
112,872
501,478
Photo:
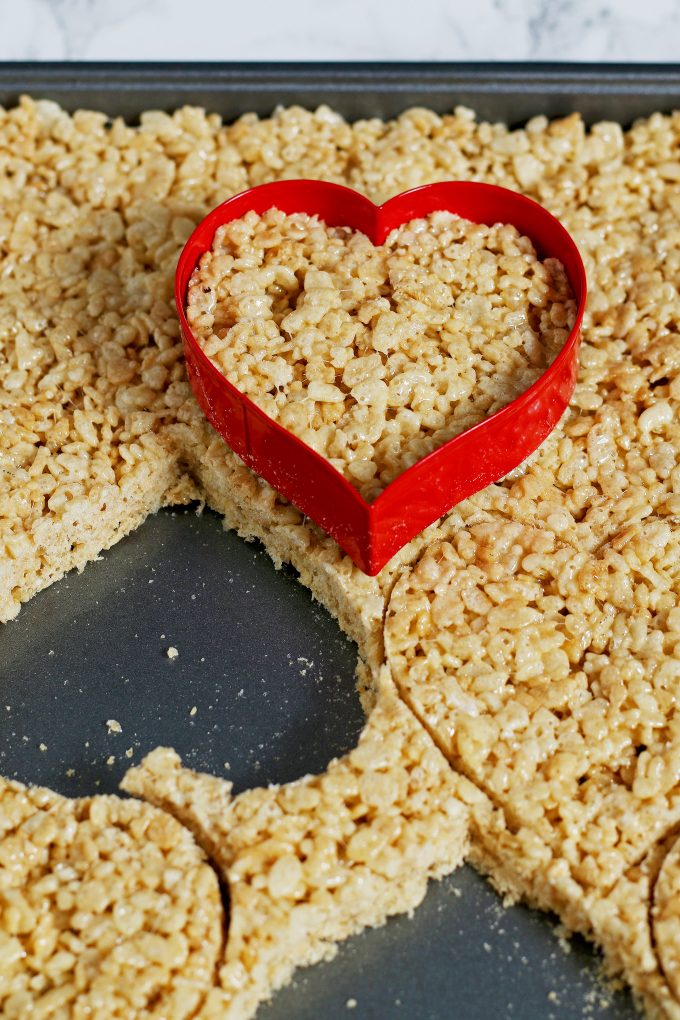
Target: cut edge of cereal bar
88,525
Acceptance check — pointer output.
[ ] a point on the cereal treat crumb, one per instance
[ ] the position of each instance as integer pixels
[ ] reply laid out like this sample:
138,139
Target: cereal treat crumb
107,908
172,652
113,726
375,356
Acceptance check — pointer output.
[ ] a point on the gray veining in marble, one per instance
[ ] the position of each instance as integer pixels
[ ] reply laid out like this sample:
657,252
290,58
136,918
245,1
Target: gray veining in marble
605,30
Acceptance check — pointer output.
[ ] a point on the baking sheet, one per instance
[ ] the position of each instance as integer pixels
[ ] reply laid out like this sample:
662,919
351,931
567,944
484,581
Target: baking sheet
511,92
263,687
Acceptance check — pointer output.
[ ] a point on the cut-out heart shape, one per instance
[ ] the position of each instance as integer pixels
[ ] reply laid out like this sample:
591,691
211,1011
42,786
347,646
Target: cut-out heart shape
371,533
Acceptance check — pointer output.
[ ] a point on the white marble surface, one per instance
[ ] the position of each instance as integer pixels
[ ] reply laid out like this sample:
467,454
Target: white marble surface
625,30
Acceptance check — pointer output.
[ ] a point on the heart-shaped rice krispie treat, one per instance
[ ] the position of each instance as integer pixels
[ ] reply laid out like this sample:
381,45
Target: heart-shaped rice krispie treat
377,355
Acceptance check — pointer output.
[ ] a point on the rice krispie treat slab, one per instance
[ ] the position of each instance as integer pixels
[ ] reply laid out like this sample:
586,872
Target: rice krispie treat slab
137,220
107,909
99,428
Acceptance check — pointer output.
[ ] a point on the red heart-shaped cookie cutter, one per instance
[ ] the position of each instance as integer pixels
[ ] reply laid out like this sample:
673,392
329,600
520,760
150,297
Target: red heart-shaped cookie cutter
371,533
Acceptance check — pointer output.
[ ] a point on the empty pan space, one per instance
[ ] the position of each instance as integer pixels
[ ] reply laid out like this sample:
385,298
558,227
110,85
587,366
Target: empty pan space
262,689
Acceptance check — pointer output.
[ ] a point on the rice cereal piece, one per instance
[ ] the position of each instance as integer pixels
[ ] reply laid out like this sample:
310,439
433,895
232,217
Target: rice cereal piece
311,862
123,199
107,909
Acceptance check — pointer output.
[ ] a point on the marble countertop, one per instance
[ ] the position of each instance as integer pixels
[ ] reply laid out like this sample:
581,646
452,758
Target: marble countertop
601,30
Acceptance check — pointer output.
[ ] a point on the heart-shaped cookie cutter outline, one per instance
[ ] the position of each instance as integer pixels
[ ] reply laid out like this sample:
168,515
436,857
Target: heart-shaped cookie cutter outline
371,533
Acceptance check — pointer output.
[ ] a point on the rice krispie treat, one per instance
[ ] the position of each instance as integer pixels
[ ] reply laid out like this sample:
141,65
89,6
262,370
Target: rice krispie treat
108,909
310,863
375,356
547,675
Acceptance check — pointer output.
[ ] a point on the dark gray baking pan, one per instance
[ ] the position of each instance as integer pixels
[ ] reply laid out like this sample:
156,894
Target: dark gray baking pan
263,687
508,92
